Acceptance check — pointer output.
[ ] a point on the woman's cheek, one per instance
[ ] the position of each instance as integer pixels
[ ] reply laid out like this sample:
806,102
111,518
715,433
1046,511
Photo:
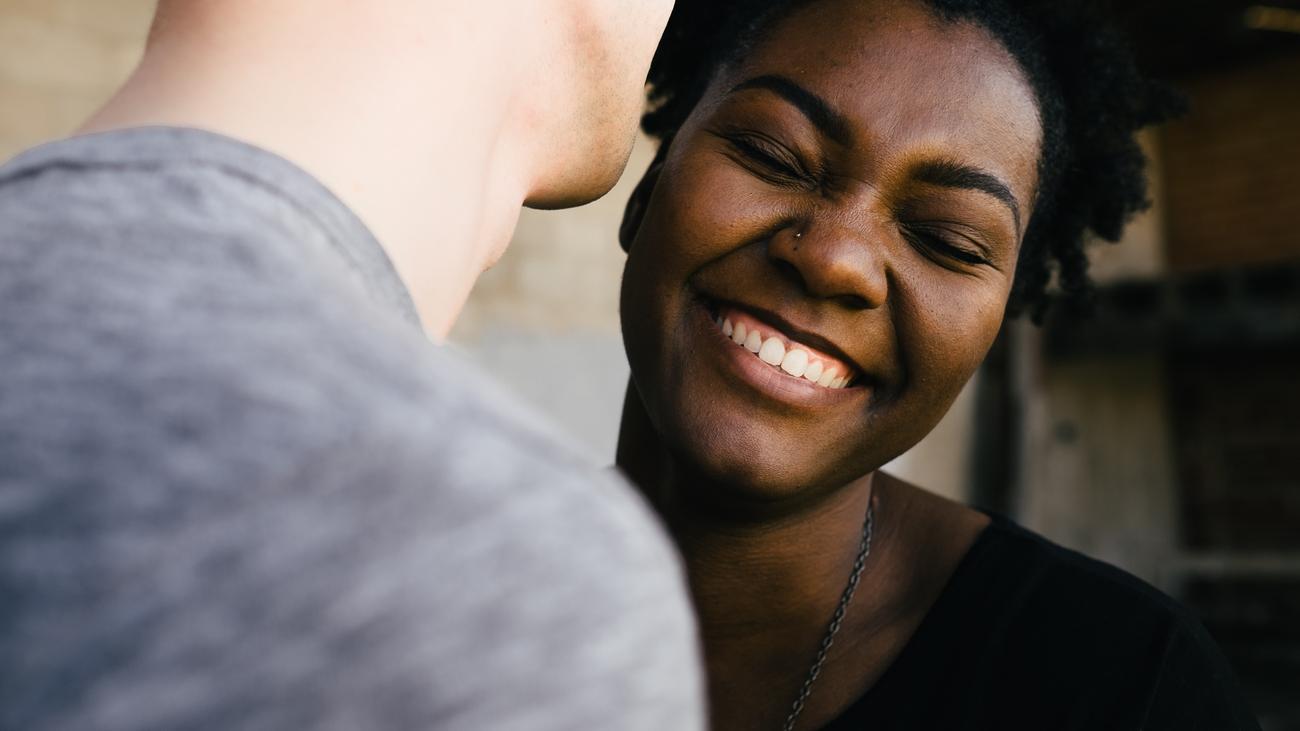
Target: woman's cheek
725,205
949,324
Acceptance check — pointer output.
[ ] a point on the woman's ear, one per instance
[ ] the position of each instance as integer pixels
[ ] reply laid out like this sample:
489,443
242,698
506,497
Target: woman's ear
635,210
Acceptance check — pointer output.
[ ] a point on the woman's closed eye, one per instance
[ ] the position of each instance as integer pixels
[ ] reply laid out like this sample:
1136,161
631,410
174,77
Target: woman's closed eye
769,159
947,243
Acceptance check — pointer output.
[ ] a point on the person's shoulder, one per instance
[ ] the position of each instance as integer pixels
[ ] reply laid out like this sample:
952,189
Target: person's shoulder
490,445
468,549
180,308
1107,612
210,422
1075,629
1074,581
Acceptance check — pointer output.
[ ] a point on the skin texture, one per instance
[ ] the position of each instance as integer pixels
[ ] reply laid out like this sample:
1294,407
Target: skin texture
612,42
433,121
841,234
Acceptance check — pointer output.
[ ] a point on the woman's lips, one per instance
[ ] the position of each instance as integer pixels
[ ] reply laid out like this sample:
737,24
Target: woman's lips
778,350
771,380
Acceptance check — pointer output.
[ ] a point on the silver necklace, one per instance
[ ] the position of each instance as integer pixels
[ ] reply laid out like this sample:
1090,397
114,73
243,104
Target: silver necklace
864,550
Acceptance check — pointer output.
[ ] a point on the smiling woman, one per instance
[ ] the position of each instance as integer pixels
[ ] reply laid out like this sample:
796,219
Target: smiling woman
849,197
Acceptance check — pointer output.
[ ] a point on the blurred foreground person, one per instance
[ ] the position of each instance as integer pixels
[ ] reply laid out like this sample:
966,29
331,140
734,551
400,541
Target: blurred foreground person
239,488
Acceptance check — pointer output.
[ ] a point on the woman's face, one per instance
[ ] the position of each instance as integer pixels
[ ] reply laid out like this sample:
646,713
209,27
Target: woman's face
854,191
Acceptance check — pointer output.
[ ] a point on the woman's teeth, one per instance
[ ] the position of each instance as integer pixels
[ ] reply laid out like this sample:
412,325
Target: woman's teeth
794,360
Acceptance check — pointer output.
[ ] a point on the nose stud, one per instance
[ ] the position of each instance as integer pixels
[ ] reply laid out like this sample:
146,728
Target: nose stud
798,234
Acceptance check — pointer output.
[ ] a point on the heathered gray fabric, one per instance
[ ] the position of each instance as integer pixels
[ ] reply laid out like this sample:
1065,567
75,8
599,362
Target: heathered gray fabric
240,490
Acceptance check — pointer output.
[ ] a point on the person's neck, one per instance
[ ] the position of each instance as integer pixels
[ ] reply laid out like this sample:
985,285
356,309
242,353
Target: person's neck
423,155
765,579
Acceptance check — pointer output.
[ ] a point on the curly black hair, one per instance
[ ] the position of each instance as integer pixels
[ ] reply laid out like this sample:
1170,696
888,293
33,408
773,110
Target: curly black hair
1092,100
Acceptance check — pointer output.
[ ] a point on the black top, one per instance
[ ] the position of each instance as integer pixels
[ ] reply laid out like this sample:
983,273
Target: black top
1029,635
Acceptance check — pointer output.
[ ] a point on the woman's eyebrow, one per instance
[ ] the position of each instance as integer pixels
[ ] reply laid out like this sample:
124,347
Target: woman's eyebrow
830,122
952,174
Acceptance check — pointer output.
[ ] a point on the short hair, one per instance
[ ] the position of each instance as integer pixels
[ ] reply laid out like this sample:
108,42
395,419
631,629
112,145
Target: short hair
1092,100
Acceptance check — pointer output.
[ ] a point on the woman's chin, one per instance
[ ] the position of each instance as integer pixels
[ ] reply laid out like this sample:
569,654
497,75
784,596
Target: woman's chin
762,472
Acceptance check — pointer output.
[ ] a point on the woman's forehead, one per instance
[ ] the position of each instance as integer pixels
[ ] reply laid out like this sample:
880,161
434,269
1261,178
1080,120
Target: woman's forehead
902,78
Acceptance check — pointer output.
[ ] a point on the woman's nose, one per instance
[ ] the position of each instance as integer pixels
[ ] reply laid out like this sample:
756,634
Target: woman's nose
834,261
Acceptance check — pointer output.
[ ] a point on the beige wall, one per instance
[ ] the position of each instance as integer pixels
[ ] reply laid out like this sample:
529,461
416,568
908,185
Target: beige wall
59,59
1234,168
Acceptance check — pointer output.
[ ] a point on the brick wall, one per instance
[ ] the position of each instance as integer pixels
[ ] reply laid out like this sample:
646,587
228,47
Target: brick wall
1233,169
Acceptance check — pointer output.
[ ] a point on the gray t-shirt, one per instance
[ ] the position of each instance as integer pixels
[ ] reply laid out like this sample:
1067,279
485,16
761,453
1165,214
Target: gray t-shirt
240,490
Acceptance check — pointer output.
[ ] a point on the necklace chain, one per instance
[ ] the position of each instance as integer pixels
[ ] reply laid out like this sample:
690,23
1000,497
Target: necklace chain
864,550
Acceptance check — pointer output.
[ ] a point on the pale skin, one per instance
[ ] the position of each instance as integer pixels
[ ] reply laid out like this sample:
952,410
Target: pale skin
435,122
